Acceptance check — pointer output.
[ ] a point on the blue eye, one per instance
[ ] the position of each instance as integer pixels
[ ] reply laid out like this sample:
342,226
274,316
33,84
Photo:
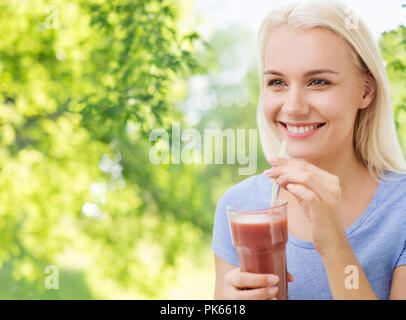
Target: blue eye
314,82
275,82
320,82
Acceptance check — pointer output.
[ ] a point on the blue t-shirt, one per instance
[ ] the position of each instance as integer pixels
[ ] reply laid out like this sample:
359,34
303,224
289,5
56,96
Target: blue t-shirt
377,238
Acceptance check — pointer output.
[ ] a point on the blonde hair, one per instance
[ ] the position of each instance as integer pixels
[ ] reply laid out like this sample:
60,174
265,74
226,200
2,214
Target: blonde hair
375,140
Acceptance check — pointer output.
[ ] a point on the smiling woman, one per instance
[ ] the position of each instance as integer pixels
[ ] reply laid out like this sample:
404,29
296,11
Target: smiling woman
324,90
321,91
347,60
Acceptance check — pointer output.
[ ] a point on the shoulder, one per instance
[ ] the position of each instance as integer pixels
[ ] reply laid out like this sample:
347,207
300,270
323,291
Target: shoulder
393,185
249,189
391,196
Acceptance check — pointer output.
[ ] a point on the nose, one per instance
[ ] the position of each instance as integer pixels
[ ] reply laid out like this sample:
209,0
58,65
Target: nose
295,103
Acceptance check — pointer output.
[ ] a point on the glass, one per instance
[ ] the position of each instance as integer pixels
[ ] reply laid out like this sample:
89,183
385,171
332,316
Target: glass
259,234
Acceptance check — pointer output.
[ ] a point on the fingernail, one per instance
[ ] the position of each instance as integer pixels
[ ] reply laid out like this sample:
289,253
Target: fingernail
273,279
272,291
269,171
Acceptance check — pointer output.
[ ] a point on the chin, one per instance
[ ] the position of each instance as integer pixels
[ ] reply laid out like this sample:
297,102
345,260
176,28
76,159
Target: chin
302,152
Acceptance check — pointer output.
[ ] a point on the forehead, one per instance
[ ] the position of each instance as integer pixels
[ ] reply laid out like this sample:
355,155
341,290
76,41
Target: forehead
299,49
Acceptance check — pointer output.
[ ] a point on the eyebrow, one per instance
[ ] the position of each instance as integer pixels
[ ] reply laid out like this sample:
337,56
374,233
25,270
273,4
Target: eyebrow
308,73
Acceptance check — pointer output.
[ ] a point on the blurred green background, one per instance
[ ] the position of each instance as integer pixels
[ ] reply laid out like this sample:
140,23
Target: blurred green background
82,85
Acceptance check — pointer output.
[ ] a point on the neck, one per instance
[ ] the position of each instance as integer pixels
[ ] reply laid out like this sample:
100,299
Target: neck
347,167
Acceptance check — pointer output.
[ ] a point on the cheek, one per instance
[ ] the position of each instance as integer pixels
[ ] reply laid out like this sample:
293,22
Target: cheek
268,112
327,104
338,111
330,105
270,107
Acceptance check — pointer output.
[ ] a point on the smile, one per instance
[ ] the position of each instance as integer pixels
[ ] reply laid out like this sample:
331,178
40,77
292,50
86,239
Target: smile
301,130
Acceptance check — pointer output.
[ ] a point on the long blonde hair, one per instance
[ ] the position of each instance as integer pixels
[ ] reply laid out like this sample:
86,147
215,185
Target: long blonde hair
375,140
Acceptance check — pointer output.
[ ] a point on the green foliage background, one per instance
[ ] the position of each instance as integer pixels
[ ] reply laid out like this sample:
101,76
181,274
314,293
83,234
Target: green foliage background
82,84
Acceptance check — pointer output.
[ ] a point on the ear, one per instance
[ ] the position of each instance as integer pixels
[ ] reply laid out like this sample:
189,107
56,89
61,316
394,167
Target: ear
369,90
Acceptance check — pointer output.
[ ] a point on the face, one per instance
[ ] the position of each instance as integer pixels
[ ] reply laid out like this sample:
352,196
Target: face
312,91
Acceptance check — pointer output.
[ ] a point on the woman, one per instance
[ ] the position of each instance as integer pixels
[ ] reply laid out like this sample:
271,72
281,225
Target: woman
325,92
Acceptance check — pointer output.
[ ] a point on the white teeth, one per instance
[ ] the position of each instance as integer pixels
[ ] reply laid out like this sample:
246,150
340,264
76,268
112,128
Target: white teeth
300,129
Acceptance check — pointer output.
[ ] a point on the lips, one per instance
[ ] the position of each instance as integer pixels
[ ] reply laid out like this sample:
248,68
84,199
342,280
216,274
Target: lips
301,130
302,124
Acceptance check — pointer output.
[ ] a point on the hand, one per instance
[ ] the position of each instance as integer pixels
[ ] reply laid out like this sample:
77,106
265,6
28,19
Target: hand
251,286
319,195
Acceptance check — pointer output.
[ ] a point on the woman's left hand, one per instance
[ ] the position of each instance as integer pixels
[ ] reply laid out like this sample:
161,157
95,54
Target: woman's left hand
319,195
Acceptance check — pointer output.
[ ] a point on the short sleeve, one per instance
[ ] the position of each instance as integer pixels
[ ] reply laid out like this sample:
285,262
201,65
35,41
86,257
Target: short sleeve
402,258
222,244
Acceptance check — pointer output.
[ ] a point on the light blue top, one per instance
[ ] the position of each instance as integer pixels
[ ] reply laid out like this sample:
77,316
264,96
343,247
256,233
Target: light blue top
378,238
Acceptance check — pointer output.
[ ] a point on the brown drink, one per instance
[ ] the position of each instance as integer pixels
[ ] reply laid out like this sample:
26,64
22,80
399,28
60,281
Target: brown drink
260,237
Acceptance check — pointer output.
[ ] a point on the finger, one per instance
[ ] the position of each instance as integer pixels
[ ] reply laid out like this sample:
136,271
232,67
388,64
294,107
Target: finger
295,177
306,198
256,294
277,161
302,192
274,172
300,164
294,165
253,280
284,166
325,191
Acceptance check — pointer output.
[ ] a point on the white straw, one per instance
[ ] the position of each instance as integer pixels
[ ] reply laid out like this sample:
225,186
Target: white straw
273,195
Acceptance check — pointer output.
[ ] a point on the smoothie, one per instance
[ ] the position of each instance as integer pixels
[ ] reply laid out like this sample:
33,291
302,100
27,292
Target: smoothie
260,240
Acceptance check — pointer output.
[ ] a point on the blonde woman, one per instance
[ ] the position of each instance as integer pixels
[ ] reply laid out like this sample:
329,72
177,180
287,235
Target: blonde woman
325,92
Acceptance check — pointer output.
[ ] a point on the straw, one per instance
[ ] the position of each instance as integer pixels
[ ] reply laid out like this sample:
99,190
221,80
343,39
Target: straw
273,195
